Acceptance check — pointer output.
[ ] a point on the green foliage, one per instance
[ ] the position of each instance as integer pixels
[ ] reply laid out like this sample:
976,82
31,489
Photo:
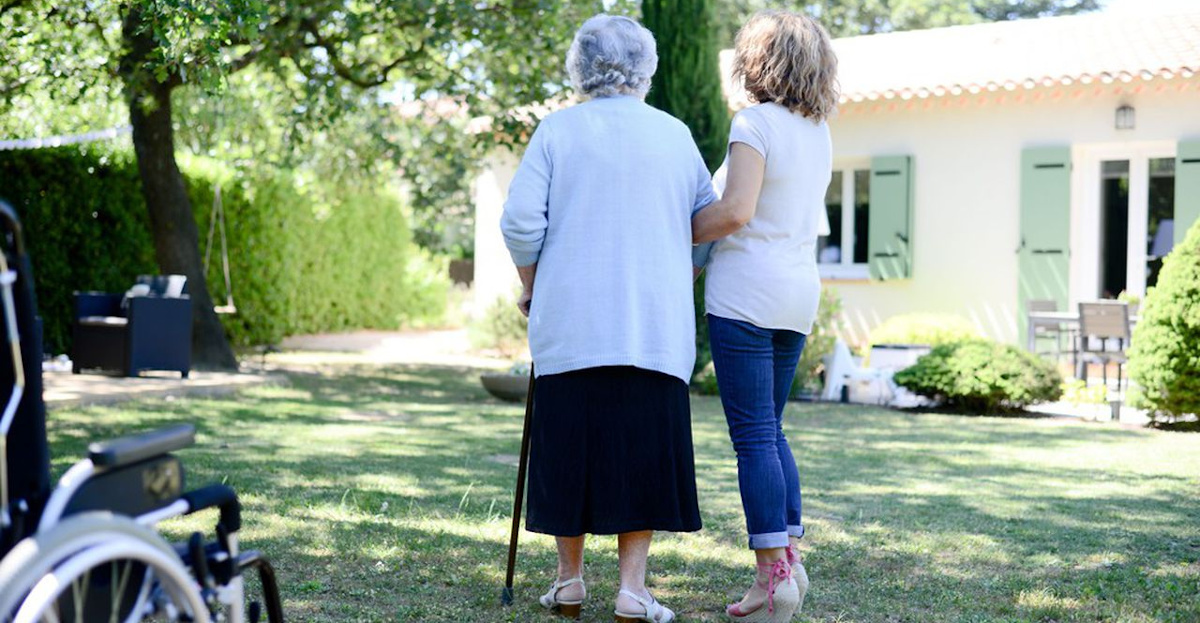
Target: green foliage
927,329
306,259
1078,393
501,327
704,382
688,81
85,225
1164,357
982,376
687,85
302,85
819,343
847,18
299,264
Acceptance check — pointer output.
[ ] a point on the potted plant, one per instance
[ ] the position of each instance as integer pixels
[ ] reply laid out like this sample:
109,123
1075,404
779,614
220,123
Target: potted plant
511,386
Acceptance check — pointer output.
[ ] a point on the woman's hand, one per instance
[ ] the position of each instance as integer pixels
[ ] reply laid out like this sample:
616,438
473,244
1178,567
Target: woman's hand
524,301
743,182
527,274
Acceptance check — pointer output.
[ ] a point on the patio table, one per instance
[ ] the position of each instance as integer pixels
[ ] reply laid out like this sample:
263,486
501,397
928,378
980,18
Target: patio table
1068,320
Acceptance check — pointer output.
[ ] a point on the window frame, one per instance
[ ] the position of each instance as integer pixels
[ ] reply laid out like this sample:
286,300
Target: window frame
847,269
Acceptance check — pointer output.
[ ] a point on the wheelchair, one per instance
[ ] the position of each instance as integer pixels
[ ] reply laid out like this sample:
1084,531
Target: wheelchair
86,548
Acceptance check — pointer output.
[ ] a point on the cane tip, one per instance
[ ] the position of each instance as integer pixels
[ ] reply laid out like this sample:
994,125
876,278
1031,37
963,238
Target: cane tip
506,596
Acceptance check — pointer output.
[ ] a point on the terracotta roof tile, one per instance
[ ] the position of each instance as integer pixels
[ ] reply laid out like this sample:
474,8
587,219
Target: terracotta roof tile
1100,47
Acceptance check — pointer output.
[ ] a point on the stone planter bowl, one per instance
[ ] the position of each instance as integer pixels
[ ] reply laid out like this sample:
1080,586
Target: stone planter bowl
506,386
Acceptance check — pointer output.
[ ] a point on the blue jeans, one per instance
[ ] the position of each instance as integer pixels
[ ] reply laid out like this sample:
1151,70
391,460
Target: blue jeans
755,368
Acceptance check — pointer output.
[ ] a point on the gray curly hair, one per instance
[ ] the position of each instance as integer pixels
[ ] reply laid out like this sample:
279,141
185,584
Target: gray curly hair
612,55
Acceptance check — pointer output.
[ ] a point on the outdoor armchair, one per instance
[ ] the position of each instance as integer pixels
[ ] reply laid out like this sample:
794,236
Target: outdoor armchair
131,334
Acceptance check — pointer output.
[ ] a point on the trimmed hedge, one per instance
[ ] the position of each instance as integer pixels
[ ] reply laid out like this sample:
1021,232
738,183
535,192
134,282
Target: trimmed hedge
1164,356
982,376
299,265
85,223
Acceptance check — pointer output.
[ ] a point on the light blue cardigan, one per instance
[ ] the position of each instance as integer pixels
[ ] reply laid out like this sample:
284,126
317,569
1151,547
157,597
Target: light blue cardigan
602,202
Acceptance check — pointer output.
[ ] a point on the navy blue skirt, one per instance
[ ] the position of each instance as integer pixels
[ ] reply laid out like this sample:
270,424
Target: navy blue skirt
611,452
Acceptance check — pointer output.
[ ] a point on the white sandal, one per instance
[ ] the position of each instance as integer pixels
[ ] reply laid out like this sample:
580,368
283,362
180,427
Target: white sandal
569,609
654,612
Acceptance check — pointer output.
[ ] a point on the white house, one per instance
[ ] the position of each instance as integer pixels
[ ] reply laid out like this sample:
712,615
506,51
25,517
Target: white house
979,167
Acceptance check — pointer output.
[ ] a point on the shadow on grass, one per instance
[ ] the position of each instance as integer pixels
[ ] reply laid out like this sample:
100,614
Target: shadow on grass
384,494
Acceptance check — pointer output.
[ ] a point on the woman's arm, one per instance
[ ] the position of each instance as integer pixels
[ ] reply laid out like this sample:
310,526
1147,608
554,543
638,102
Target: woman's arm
737,205
525,219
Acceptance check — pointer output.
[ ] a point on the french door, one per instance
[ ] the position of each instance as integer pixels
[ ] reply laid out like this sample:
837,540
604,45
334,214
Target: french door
1127,212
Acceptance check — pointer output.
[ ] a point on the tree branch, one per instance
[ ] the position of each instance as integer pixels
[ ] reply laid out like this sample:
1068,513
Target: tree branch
244,61
348,73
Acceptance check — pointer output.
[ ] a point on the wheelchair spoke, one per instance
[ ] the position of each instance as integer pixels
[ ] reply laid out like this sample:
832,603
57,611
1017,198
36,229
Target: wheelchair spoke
119,591
79,589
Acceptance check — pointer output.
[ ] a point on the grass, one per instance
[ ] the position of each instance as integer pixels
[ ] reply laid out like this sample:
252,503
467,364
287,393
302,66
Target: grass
384,494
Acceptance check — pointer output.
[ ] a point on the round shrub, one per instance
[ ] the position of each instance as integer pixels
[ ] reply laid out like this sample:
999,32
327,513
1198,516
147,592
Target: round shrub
928,329
982,376
1164,356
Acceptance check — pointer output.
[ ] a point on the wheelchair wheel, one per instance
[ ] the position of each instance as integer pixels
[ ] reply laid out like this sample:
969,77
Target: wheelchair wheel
97,567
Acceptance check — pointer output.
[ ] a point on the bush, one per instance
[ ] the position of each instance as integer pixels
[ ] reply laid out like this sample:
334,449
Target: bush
502,327
819,343
1164,357
928,329
299,264
85,223
982,376
704,382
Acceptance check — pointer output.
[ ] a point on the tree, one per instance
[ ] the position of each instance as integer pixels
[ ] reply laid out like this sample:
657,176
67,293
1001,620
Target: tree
846,18
330,58
688,86
688,81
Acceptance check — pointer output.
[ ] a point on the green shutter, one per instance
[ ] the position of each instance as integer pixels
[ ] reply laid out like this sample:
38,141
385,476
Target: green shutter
1044,250
1187,187
889,229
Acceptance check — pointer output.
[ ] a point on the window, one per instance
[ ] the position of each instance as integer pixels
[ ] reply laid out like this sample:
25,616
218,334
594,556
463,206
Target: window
843,253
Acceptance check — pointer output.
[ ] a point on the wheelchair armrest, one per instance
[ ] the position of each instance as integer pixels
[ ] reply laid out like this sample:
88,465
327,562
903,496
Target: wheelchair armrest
220,496
127,450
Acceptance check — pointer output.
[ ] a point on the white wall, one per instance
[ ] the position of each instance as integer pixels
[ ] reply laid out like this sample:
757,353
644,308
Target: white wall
966,174
495,275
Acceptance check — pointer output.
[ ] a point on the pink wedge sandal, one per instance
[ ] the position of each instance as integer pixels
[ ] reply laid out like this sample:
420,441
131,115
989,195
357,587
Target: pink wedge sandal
799,574
783,597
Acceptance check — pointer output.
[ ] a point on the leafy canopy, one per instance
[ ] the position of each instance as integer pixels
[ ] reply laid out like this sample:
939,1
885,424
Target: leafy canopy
317,86
846,18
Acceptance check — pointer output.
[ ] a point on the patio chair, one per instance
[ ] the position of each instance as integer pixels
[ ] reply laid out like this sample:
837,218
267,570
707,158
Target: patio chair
1103,337
1048,305
148,328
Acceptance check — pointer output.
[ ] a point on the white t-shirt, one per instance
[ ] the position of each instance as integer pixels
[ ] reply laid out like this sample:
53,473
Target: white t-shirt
766,272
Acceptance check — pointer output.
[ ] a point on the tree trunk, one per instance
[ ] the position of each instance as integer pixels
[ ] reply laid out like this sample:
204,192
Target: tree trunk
176,240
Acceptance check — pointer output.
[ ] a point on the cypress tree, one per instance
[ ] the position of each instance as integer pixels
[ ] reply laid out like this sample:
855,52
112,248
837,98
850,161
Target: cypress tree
688,81
688,86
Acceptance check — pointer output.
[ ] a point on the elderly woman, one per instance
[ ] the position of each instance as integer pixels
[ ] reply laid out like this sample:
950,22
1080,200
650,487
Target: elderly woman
598,223
763,289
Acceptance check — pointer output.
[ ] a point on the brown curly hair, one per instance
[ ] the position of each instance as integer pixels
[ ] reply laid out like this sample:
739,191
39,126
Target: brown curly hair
787,58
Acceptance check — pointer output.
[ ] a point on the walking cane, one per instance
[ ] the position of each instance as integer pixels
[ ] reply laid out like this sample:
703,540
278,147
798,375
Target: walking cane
506,596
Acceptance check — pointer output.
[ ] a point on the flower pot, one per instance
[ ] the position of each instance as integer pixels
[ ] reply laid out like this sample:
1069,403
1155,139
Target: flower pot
506,386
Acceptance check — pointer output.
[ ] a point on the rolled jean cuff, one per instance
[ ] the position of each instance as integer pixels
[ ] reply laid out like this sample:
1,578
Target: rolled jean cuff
796,531
768,540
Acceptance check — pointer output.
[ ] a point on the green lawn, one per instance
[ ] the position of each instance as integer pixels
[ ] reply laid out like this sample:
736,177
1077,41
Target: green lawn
384,494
